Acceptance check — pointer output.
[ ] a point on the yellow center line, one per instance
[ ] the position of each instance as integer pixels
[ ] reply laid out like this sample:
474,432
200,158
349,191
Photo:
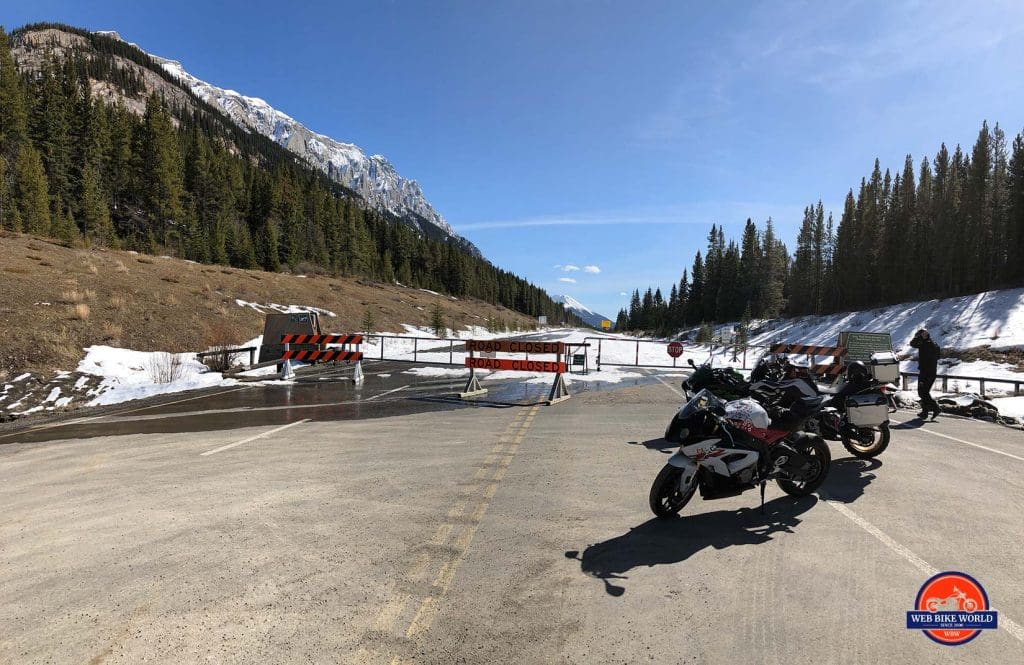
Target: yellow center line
487,477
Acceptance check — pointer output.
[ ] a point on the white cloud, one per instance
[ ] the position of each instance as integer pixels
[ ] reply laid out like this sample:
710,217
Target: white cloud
623,293
591,269
567,280
570,268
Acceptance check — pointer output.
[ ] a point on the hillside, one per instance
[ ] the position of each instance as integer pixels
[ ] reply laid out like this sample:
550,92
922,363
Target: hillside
55,301
102,146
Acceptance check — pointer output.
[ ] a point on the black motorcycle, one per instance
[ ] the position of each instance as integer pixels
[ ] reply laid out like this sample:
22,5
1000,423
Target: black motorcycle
855,411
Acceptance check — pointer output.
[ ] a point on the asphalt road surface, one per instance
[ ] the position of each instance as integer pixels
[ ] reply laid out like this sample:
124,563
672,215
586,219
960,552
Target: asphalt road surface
396,525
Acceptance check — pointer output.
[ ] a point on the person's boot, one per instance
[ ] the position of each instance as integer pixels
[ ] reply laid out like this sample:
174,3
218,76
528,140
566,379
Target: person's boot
923,414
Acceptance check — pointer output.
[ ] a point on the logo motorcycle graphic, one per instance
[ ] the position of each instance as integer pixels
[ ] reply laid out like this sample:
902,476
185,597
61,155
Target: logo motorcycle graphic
952,609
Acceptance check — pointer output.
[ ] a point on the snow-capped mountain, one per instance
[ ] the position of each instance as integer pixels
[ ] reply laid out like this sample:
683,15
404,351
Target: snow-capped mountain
372,177
590,317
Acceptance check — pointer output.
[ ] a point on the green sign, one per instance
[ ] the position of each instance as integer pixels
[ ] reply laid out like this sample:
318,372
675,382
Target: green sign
579,358
860,345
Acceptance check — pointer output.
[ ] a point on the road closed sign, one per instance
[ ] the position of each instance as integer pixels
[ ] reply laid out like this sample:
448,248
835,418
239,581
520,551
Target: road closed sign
516,365
675,349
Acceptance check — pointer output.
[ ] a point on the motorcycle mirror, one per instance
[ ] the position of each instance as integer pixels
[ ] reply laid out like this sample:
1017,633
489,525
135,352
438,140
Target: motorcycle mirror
690,361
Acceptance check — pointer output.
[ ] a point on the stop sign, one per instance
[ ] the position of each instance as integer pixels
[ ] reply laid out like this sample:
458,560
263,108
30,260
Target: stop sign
675,349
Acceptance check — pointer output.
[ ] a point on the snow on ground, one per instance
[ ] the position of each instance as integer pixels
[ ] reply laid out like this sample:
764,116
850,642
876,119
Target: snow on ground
993,318
1010,406
284,309
129,375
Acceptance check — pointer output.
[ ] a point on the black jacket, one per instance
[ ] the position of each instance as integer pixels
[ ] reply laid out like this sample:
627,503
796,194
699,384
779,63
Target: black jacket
928,355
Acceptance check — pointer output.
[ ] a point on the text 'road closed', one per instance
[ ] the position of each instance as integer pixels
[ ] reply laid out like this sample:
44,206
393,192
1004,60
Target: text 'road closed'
516,365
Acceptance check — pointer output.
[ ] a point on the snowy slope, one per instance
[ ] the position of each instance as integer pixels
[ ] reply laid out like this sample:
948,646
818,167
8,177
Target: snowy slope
373,177
993,318
589,316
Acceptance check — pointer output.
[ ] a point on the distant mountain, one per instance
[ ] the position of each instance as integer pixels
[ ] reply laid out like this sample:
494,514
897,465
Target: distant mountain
373,178
590,317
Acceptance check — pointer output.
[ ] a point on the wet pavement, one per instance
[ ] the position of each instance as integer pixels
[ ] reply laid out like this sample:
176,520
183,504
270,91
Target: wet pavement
318,394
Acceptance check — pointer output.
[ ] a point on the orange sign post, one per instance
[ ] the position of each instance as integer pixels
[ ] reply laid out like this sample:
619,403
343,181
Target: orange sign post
559,391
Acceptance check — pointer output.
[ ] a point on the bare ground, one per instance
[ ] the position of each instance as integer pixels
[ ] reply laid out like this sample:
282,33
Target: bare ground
55,301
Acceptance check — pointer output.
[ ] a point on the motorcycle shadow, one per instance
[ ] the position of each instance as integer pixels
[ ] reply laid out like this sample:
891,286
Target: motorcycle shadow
660,444
665,542
848,477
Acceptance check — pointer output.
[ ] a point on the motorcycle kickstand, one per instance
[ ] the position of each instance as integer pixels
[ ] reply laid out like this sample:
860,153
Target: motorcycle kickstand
763,483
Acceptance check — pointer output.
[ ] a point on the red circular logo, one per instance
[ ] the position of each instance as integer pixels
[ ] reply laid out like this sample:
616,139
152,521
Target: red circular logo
675,349
952,594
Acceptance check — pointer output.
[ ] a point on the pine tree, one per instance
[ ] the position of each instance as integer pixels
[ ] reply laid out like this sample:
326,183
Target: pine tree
13,131
773,273
95,216
31,192
162,172
695,301
1015,214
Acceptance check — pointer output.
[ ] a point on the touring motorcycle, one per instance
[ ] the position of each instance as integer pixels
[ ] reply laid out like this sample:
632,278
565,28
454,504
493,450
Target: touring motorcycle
726,448
855,410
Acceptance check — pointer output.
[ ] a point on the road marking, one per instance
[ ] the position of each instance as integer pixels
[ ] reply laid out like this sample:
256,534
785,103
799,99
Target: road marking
668,385
253,438
500,457
79,421
1011,626
969,443
395,390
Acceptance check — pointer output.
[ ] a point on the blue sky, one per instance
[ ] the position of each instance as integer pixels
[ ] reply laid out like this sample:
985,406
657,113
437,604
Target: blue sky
604,134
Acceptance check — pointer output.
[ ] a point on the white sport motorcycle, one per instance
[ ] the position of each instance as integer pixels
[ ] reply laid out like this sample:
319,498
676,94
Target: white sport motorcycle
728,448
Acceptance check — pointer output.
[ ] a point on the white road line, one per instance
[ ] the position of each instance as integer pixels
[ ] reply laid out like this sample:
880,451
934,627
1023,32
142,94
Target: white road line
668,385
1005,622
969,443
388,392
253,438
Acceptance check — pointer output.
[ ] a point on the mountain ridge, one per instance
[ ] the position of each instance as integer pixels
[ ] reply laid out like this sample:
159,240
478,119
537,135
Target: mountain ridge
587,315
372,178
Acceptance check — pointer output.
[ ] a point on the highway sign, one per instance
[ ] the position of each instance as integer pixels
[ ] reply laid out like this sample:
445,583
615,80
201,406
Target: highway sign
675,349
606,324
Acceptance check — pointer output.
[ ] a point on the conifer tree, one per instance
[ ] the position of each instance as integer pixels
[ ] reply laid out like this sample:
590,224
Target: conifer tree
31,192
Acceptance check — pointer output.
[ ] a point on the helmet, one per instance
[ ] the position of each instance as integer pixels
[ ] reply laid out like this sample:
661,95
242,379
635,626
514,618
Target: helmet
856,371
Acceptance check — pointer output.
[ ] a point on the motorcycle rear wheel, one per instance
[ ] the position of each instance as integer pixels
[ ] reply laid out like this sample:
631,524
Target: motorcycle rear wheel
879,442
666,499
816,449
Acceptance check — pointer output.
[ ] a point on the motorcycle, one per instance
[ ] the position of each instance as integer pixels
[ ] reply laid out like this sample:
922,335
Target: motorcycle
956,603
863,431
726,448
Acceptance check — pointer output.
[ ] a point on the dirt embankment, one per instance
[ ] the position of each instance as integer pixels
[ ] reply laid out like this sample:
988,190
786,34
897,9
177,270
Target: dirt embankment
55,301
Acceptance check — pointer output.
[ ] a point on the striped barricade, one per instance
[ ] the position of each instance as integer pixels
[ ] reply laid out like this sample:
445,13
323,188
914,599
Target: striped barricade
322,355
833,369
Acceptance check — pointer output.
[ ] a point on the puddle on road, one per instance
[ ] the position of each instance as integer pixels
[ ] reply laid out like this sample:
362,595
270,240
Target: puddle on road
383,394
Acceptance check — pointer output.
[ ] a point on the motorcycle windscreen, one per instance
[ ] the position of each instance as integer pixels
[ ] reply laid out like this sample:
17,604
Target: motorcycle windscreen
703,400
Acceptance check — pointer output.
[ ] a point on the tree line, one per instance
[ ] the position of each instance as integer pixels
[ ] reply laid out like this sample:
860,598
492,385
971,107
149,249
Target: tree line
951,225
187,181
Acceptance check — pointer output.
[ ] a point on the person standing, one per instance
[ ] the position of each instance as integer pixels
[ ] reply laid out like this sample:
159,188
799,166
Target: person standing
927,366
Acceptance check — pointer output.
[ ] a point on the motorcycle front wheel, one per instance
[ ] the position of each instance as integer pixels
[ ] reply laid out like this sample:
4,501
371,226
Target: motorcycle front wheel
666,498
817,453
873,444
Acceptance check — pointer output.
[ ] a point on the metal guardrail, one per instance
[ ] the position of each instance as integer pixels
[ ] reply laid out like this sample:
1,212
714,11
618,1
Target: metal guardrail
739,352
230,352
982,380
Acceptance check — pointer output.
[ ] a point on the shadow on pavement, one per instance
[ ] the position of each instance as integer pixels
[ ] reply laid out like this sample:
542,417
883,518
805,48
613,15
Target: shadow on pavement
664,542
848,477
660,444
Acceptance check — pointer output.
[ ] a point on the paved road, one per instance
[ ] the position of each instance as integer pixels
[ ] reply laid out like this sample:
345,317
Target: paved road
481,534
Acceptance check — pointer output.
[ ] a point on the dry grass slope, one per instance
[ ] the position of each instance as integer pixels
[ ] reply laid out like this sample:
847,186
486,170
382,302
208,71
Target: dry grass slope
55,301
